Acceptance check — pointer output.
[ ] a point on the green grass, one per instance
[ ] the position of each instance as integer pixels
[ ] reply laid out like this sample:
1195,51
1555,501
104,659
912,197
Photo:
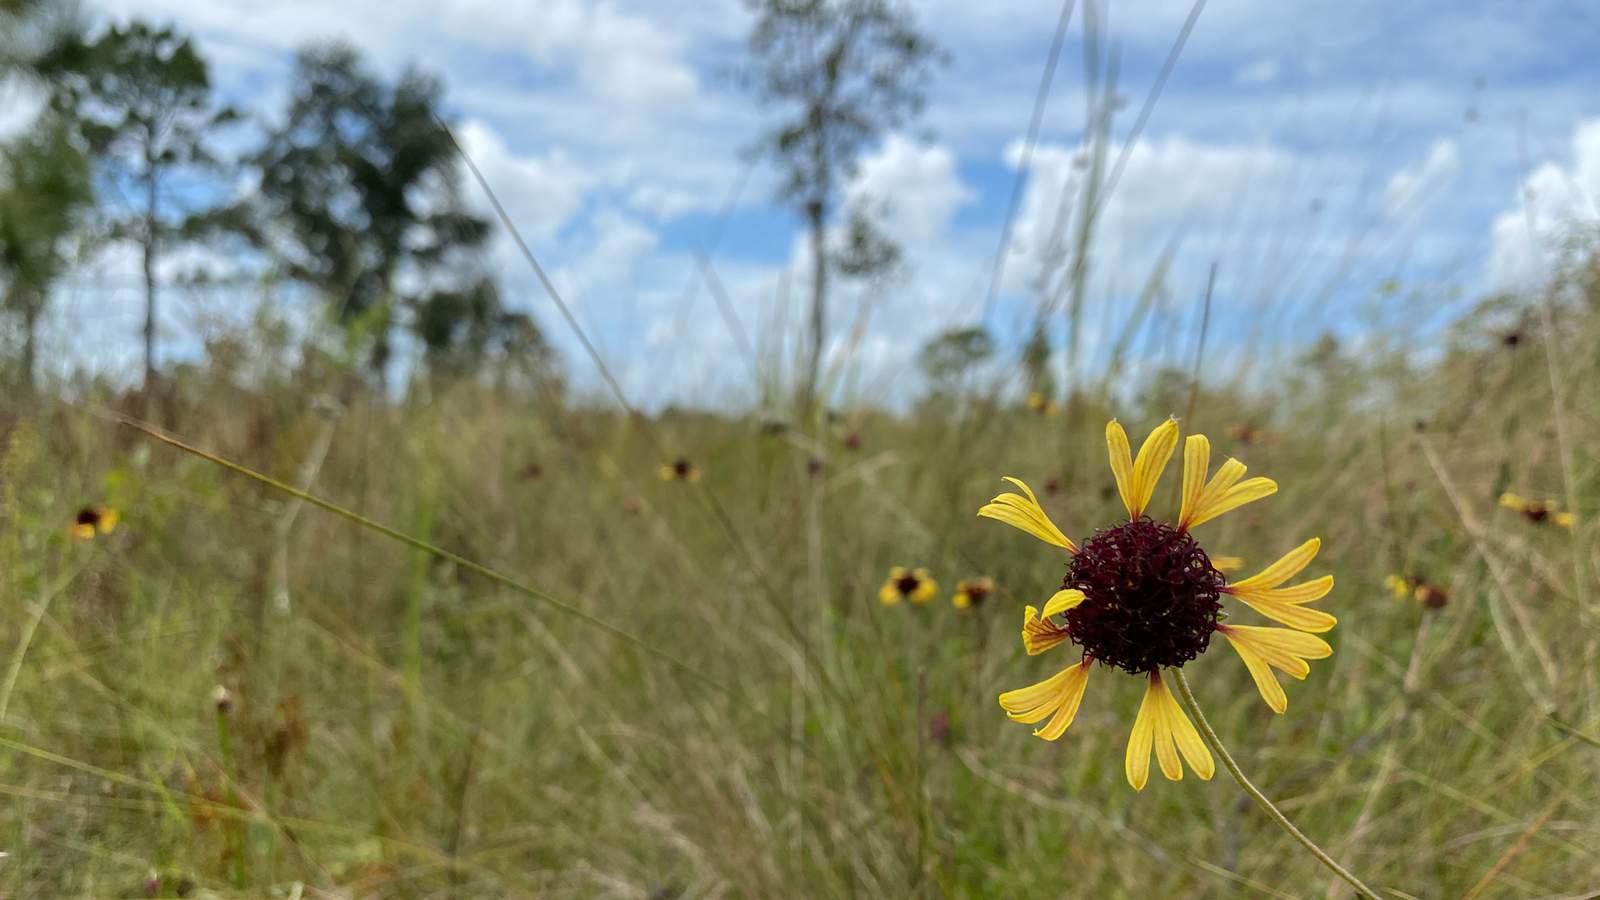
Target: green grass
401,725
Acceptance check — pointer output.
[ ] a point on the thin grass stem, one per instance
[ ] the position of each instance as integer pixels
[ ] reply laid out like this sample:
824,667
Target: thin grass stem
1211,739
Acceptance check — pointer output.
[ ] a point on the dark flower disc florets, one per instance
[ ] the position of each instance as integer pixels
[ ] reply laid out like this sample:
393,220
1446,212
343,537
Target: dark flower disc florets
1151,597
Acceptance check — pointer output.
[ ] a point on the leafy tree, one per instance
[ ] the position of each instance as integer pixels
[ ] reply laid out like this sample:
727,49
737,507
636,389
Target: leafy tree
952,354
461,328
844,71
144,97
358,197
38,38
44,194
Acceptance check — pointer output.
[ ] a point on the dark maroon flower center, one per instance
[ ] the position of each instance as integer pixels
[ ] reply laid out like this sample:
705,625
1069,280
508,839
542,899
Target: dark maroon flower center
1151,597
89,516
905,584
681,468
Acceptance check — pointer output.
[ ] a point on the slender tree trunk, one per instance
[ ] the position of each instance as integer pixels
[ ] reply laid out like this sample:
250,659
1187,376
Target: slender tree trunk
30,328
819,300
150,282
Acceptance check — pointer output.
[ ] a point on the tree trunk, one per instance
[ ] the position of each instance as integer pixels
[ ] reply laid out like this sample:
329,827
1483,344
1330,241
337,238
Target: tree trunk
150,283
819,299
30,327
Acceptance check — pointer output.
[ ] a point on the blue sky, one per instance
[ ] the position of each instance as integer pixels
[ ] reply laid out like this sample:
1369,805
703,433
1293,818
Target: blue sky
1312,151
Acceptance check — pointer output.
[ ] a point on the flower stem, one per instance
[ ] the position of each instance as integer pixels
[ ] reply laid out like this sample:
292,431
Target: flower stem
1211,739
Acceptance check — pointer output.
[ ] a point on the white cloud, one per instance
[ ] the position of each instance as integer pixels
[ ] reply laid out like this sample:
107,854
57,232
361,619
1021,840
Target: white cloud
1418,184
1250,204
540,194
1551,200
915,188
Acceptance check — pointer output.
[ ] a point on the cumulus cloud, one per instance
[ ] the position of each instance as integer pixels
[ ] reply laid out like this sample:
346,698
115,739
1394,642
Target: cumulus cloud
542,194
914,188
1238,201
1550,202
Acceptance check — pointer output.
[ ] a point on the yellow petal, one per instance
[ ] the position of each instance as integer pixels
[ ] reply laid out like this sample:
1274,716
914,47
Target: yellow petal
1298,617
1061,602
1227,563
1057,697
1153,456
1070,698
1398,586
1026,514
1233,498
1285,640
926,587
1039,634
1136,764
1512,501
1281,648
961,600
1121,463
1260,672
1305,592
1222,493
1285,568
1166,748
1185,736
1196,459
889,594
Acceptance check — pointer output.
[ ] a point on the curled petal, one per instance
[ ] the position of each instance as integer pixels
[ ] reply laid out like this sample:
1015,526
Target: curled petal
1057,698
1039,633
1025,513
1061,602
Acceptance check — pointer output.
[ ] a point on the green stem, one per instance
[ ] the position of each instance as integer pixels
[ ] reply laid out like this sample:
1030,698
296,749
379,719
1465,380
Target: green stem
1211,739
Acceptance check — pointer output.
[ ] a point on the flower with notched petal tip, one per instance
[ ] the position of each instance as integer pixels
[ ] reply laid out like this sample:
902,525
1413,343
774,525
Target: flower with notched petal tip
915,585
1143,596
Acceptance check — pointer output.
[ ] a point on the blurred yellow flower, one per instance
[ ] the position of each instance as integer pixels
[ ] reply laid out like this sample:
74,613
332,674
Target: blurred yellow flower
679,469
93,520
1538,511
915,585
972,592
1042,405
